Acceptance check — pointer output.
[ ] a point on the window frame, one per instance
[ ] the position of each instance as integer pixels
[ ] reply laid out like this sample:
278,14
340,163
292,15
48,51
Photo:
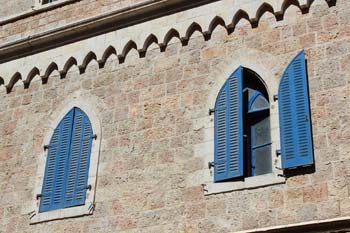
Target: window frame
254,115
276,176
75,211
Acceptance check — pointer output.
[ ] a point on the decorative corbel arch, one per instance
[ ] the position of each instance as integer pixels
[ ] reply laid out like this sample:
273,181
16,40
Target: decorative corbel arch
88,58
15,78
239,15
194,27
127,48
108,52
34,72
69,64
148,42
172,33
51,68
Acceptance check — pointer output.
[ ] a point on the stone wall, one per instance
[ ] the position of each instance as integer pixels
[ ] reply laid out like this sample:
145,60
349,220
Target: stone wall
157,135
59,16
9,8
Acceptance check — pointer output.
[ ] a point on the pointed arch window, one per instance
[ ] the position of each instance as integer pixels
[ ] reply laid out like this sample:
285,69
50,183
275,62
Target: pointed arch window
242,131
242,127
67,164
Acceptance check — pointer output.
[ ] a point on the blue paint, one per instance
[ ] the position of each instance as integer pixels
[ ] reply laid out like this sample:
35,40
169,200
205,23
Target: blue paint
68,145
294,110
228,124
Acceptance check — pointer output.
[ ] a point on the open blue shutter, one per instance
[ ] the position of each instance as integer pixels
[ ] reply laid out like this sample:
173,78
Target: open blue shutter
294,112
79,160
228,159
52,195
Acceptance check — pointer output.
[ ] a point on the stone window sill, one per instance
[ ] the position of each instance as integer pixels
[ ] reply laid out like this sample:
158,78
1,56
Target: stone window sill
248,183
78,211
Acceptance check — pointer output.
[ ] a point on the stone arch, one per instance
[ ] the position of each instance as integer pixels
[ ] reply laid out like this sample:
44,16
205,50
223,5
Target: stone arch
239,15
127,48
51,68
14,79
264,8
172,33
107,53
148,42
194,27
88,58
68,65
34,72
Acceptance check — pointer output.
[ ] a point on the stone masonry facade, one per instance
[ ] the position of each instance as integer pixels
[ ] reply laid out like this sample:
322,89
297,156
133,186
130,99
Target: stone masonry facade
157,136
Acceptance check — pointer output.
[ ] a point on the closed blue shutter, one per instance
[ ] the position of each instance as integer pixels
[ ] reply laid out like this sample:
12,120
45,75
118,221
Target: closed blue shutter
52,195
294,112
228,159
79,160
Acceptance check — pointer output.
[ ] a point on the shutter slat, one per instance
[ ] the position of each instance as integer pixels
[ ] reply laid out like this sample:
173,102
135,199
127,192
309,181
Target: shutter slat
294,112
53,185
79,160
228,129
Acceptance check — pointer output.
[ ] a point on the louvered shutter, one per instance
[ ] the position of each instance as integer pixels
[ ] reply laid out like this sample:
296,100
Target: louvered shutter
228,159
294,112
52,196
79,160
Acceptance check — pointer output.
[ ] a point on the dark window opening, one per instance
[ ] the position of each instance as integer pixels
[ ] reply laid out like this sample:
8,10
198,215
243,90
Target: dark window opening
48,1
256,130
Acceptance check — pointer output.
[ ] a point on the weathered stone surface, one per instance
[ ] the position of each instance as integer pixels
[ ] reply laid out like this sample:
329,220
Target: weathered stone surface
157,134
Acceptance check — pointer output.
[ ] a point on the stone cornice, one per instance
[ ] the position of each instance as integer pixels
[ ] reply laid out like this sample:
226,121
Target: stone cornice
94,26
119,43
118,19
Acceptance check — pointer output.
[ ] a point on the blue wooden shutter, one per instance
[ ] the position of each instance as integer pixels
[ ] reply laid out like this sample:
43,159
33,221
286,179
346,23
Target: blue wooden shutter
294,112
79,160
52,195
228,159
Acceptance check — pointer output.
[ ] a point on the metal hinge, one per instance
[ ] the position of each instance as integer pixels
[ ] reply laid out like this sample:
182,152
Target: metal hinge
278,153
211,111
94,136
211,164
275,97
203,187
38,196
46,147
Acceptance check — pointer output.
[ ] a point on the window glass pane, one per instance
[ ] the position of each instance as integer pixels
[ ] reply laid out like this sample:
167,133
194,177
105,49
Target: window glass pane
262,160
259,103
251,93
261,132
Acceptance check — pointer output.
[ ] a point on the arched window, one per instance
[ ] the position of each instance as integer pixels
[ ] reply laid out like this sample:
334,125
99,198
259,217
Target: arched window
242,127
242,133
67,164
